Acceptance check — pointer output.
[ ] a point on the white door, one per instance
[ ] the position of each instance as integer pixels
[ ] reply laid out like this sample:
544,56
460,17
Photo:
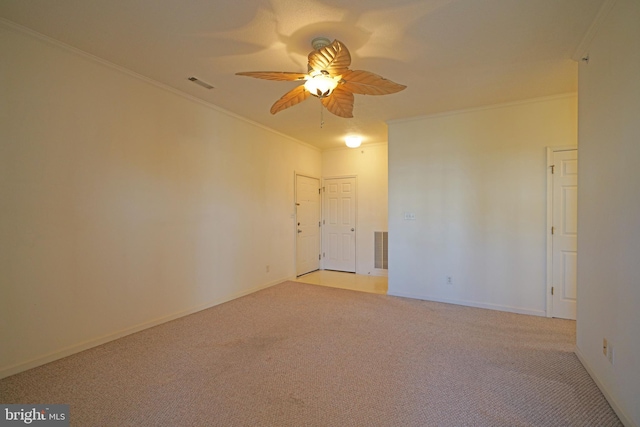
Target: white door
339,238
307,224
564,233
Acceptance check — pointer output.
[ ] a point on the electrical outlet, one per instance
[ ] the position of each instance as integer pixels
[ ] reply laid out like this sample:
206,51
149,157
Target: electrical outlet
449,280
604,346
611,354
409,216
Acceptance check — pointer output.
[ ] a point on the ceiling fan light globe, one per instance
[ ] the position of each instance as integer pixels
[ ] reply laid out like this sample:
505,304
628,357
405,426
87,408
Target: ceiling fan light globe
320,85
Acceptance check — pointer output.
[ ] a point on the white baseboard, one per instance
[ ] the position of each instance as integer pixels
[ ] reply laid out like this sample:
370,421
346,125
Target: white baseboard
94,342
627,421
498,307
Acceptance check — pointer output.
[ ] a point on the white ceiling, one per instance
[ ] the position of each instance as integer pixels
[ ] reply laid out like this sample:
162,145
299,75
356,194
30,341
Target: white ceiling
452,54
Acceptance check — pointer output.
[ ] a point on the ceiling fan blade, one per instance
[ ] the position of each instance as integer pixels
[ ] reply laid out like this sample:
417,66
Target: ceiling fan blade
367,83
274,75
334,58
340,102
289,99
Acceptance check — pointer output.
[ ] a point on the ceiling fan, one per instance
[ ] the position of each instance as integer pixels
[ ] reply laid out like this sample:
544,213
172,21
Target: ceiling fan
330,79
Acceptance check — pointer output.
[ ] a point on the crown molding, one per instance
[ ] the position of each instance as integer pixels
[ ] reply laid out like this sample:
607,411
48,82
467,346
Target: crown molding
583,48
485,107
46,39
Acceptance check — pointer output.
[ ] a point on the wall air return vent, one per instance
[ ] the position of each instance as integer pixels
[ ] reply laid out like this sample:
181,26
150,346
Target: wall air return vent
381,249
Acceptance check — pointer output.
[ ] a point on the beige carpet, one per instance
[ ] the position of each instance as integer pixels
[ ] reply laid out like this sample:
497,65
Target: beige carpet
305,355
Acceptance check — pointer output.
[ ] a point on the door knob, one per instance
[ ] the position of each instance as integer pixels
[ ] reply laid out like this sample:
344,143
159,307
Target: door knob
353,229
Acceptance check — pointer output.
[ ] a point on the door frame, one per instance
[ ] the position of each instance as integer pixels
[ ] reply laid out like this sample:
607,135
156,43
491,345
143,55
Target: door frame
322,218
294,215
550,153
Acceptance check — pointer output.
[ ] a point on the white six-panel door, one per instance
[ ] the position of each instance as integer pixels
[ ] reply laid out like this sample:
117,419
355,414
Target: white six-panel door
307,224
564,233
339,237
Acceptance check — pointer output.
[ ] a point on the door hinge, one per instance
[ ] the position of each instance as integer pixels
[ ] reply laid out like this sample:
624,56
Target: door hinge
319,191
553,168
319,257
552,290
323,190
318,223
322,254
553,230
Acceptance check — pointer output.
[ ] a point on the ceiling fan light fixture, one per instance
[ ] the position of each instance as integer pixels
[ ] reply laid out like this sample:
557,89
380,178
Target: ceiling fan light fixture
329,78
320,84
353,141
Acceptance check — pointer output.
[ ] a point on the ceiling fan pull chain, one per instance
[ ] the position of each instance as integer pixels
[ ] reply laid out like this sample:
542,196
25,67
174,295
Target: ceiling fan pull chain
321,115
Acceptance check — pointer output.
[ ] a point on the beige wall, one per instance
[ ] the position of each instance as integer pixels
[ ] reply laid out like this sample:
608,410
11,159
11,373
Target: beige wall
369,164
476,182
124,204
609,209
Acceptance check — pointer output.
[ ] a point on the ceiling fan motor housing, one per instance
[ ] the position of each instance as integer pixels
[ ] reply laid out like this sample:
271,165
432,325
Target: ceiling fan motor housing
320,42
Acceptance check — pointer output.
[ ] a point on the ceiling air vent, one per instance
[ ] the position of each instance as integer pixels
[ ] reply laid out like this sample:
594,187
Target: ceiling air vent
201,83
